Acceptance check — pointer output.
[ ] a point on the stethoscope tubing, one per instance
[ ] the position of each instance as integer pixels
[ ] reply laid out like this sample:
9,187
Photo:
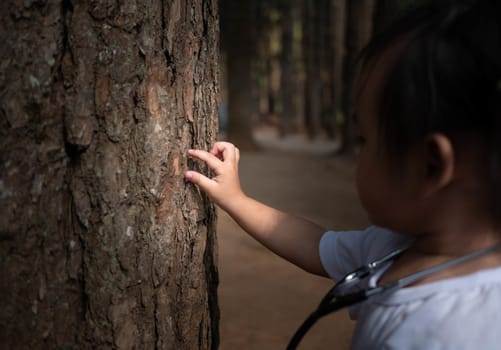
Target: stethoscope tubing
331,303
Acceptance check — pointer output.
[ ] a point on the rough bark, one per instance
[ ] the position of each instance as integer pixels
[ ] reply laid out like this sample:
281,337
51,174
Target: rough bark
102,243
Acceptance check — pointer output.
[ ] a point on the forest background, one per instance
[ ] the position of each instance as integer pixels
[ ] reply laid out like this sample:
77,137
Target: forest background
103,245
289,65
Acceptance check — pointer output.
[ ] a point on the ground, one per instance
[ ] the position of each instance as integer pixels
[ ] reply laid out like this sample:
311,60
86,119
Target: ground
263,299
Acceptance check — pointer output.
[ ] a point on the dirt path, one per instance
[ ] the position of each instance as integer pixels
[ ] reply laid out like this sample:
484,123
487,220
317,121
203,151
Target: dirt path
263,299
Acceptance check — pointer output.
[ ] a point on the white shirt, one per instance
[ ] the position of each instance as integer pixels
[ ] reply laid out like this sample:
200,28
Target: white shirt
456,313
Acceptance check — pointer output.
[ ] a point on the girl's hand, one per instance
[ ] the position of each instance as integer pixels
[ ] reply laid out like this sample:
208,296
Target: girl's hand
224,188
291,237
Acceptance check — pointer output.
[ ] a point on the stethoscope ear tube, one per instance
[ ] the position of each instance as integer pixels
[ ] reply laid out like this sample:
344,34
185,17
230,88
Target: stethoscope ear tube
324,309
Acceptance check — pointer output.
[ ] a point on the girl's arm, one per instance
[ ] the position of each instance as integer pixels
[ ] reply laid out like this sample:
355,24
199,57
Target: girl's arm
291,237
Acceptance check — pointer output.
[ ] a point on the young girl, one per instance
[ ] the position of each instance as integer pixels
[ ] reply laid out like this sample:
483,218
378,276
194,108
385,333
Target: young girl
428,113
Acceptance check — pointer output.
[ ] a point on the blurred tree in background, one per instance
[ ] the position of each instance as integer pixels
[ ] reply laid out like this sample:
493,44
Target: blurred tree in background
238,40
290,64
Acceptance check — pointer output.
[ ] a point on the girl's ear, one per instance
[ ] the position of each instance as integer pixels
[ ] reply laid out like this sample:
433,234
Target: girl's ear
439,162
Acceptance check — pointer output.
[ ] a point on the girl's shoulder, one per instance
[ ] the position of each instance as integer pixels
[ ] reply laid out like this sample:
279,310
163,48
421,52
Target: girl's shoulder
343,251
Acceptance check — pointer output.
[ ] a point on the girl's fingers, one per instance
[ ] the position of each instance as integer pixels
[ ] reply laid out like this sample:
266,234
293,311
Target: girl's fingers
221,152
198,179
212,161
224,151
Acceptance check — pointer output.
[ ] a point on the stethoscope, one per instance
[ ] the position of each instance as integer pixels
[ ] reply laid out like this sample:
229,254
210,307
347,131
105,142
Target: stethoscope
335,299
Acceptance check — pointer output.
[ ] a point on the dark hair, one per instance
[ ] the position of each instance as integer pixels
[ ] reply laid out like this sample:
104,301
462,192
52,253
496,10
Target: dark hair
447,77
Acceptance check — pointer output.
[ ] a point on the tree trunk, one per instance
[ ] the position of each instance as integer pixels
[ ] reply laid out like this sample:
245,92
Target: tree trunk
338,30
237,35
387,11
384,12
359,30
311,49
287,68
274,72
102,243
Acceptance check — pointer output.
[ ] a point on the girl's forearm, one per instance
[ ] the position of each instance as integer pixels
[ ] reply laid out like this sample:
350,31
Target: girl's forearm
291,237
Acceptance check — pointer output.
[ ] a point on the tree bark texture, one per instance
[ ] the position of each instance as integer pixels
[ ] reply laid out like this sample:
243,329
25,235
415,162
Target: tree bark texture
102,243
